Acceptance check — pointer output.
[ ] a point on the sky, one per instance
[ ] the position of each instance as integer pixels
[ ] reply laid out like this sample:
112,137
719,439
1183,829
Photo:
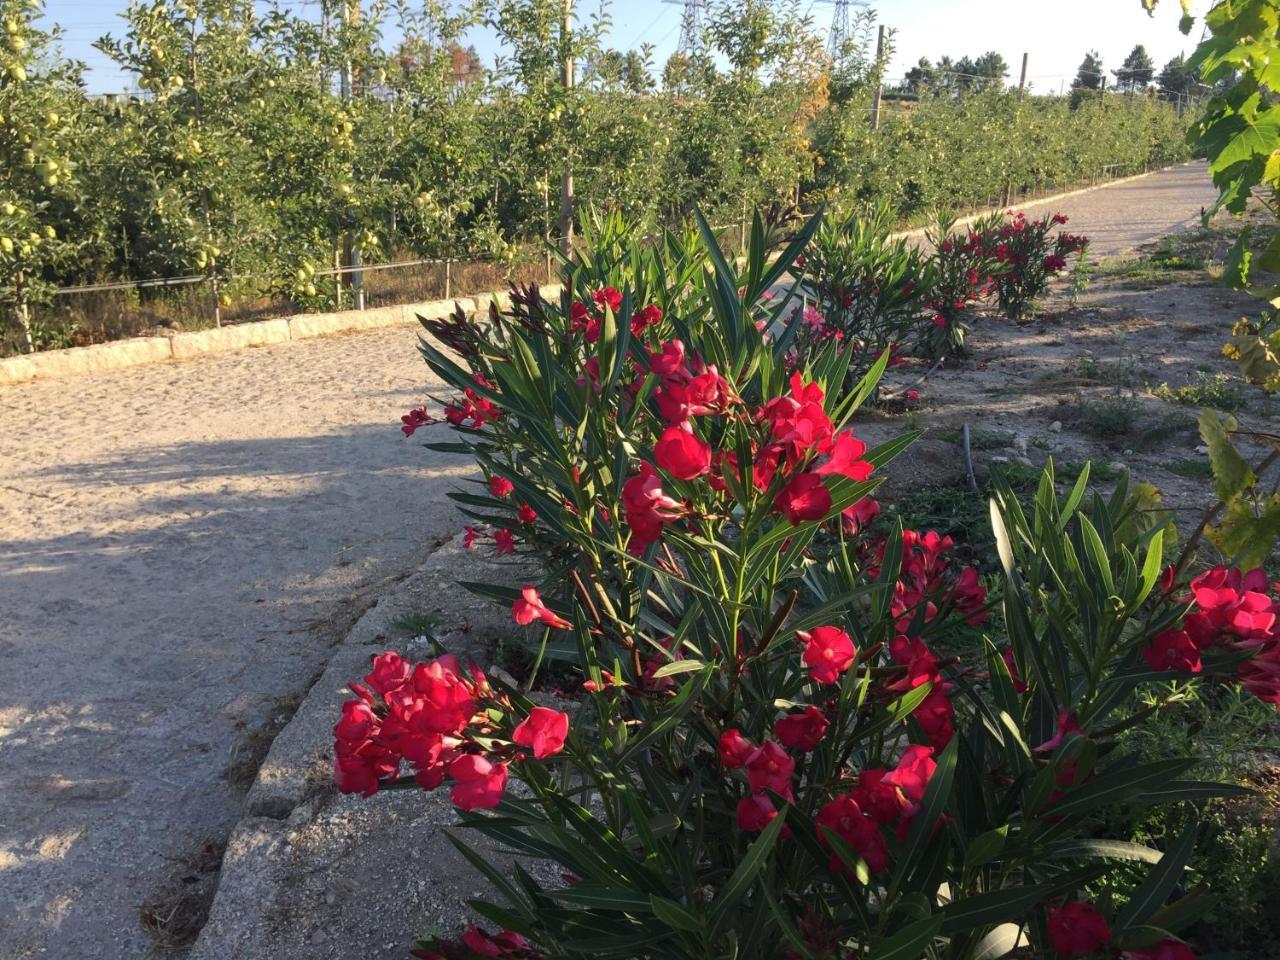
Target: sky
1054,34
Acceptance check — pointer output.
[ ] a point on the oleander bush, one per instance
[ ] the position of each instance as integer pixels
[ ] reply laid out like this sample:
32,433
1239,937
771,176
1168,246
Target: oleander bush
768,756
963,272
870,287
1030,255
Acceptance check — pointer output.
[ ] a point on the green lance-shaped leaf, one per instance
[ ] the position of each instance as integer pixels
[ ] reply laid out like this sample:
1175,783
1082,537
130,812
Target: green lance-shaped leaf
931,808
1161,881
909,943
748,870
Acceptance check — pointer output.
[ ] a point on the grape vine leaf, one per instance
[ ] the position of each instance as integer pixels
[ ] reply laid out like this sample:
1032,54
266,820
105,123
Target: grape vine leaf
1230,471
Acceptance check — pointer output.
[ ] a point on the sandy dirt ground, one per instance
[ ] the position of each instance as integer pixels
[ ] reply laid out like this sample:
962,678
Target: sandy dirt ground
181,545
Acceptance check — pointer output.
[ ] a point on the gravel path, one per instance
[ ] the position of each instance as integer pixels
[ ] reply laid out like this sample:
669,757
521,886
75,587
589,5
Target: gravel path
1119,218
181,544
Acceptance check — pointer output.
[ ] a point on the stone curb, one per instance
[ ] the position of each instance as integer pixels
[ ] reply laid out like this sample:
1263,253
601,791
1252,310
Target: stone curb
310,874
81,361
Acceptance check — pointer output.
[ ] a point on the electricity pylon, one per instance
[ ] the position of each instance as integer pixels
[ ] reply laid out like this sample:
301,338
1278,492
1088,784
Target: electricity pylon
690,25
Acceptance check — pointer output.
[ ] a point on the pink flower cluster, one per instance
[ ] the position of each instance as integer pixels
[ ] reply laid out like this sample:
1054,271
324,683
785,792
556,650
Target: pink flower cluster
881,798
1231,610
1079,928
476,942
432,717
796,432
588,321
473,407
926,574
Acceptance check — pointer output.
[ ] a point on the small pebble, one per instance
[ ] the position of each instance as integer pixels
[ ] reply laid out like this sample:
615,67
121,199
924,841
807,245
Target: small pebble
1202,449
1119,467
1020,444
1055,427
1024,461
1127,453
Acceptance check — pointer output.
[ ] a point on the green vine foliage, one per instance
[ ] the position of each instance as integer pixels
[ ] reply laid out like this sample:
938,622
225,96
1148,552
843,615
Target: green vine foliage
1239,134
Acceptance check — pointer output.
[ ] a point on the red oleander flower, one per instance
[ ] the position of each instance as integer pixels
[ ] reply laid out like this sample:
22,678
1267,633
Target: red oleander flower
1260,674
415,418
770,769
914,771
644,319
608,297
843,817
1078,928
501,486
529,607
936,717
527,514
856,518
543,731
469,538
805,498
801,731
358,723
363,772
735,750
436,699
390,672
504,541
479,784
828,652
669,362
1173,650
755,812
914,654
506,943
845,458
969,596
798,421
647,508
706,393
682,453
882,801
1007,656
642,493
1232,604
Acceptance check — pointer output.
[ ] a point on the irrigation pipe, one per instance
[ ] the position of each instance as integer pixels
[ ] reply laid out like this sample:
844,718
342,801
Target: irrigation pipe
911,386
968,460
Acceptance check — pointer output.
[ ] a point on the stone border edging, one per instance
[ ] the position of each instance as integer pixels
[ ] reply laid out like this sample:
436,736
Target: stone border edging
136,351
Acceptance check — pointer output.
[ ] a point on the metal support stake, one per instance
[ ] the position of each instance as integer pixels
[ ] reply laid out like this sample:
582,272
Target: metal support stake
879,94
1022,86
24,312
217,296
566,176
